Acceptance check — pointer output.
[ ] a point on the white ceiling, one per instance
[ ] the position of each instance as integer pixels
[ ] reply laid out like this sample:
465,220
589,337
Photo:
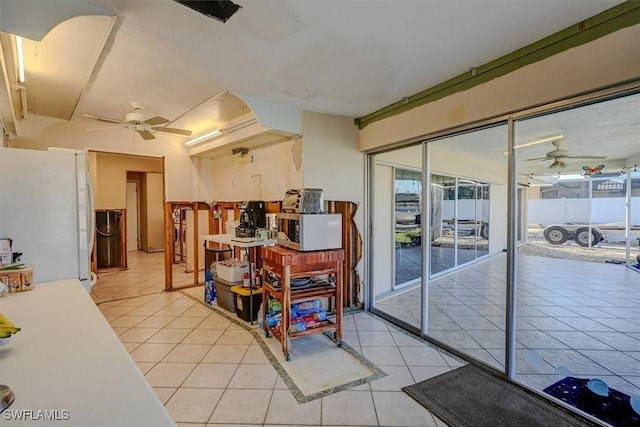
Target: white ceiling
608,129
346,58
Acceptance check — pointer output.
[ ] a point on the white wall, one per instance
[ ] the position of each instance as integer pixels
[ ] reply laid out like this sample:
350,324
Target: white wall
266,173
331,157
610,59
332,161
179,170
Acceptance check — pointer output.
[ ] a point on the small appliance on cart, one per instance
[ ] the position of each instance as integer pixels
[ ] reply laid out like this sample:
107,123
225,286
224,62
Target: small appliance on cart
304,226
252,218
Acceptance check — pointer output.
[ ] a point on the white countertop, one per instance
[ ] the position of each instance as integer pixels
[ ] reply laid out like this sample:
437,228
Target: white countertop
241,242
67,358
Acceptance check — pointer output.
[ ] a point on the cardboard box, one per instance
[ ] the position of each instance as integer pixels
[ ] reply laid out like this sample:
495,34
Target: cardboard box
18,280
209,292
5,257
5,245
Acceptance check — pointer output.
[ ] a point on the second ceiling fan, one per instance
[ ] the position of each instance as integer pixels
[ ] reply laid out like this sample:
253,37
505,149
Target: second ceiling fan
558,156
140,124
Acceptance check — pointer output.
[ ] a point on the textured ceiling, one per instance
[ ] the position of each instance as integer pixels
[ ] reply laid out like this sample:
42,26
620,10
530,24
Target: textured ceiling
346,58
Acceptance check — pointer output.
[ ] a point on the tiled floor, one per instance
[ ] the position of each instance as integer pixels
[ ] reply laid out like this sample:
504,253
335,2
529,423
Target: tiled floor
582,316
209,370
145,276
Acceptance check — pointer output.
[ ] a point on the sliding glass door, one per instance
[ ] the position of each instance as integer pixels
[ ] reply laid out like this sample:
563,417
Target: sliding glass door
578,323
529,262
466,290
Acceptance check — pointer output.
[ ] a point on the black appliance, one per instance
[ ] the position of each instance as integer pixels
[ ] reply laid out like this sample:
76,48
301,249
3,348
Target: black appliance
109,238
252,217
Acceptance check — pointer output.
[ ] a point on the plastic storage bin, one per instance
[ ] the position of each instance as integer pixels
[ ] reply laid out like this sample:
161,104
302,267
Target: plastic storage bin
231,274
243,300
225,296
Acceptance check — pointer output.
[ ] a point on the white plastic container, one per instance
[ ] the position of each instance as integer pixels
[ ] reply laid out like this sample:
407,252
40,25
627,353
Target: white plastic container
231,273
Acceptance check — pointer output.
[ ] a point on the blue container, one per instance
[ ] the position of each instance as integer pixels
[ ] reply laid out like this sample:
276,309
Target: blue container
209,288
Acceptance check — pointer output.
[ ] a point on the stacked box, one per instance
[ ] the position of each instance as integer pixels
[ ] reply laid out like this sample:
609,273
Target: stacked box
18,279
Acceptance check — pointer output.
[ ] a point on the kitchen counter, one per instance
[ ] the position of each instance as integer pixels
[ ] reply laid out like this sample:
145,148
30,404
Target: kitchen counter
66,363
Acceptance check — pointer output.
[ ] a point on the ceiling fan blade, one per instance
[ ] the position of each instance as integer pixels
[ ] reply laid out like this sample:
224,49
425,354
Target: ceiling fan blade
103,119
146,135
184,132
157,120
537,159
124,125
586,157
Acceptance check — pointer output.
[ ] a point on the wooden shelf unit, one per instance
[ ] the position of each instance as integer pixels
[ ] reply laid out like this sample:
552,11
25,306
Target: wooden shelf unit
289,264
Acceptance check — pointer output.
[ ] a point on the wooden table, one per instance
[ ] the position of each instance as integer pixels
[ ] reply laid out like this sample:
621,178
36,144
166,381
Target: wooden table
288,264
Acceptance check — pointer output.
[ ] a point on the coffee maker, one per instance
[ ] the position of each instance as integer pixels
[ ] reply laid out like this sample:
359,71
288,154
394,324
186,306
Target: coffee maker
252,217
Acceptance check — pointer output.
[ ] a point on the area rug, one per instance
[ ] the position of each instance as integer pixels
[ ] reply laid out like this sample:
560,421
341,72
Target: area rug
470,396
307,374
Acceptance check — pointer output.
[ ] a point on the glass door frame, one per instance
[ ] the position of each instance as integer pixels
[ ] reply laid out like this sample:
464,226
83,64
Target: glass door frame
595,96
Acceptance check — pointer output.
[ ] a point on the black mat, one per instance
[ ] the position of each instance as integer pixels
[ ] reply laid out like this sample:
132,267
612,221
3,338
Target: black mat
470,396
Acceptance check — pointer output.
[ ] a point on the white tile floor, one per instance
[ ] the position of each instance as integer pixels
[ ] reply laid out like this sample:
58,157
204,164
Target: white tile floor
577,315
208,370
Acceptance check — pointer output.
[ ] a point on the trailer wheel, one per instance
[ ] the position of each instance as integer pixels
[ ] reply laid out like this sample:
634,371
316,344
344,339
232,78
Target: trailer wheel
556,235
581,236
484,231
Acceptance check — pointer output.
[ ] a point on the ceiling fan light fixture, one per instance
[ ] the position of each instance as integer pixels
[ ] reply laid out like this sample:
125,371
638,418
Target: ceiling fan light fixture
203,137
136,116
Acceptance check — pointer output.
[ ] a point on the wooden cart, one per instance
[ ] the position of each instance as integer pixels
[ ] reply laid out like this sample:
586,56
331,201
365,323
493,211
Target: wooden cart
289,264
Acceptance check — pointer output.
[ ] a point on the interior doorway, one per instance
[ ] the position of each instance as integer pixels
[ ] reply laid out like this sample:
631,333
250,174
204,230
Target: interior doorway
133,236
133,185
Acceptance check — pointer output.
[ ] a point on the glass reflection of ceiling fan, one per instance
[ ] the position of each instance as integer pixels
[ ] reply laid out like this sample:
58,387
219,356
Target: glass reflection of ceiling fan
558,156
140,124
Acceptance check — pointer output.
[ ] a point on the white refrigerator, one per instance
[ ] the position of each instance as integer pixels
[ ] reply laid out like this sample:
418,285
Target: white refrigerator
46,208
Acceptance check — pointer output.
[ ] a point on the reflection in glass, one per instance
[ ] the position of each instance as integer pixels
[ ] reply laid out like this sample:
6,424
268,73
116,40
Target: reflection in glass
443,254
408,230
460,221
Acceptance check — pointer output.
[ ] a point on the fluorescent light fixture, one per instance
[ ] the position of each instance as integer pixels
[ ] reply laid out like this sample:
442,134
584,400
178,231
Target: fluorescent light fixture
203,137
20,54
571,177
537,141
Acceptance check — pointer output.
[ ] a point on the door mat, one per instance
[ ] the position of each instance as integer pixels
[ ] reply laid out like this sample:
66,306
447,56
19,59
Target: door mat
470,396
318,367
611,406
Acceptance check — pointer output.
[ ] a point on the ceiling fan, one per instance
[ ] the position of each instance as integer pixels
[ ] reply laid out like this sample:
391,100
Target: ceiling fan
139,123
558,156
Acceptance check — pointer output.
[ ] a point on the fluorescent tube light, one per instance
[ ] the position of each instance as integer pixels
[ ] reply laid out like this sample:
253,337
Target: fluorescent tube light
537,141
203,137
20,54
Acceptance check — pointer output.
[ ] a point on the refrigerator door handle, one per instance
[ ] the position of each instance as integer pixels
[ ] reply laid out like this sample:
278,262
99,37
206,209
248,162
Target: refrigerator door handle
91,216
